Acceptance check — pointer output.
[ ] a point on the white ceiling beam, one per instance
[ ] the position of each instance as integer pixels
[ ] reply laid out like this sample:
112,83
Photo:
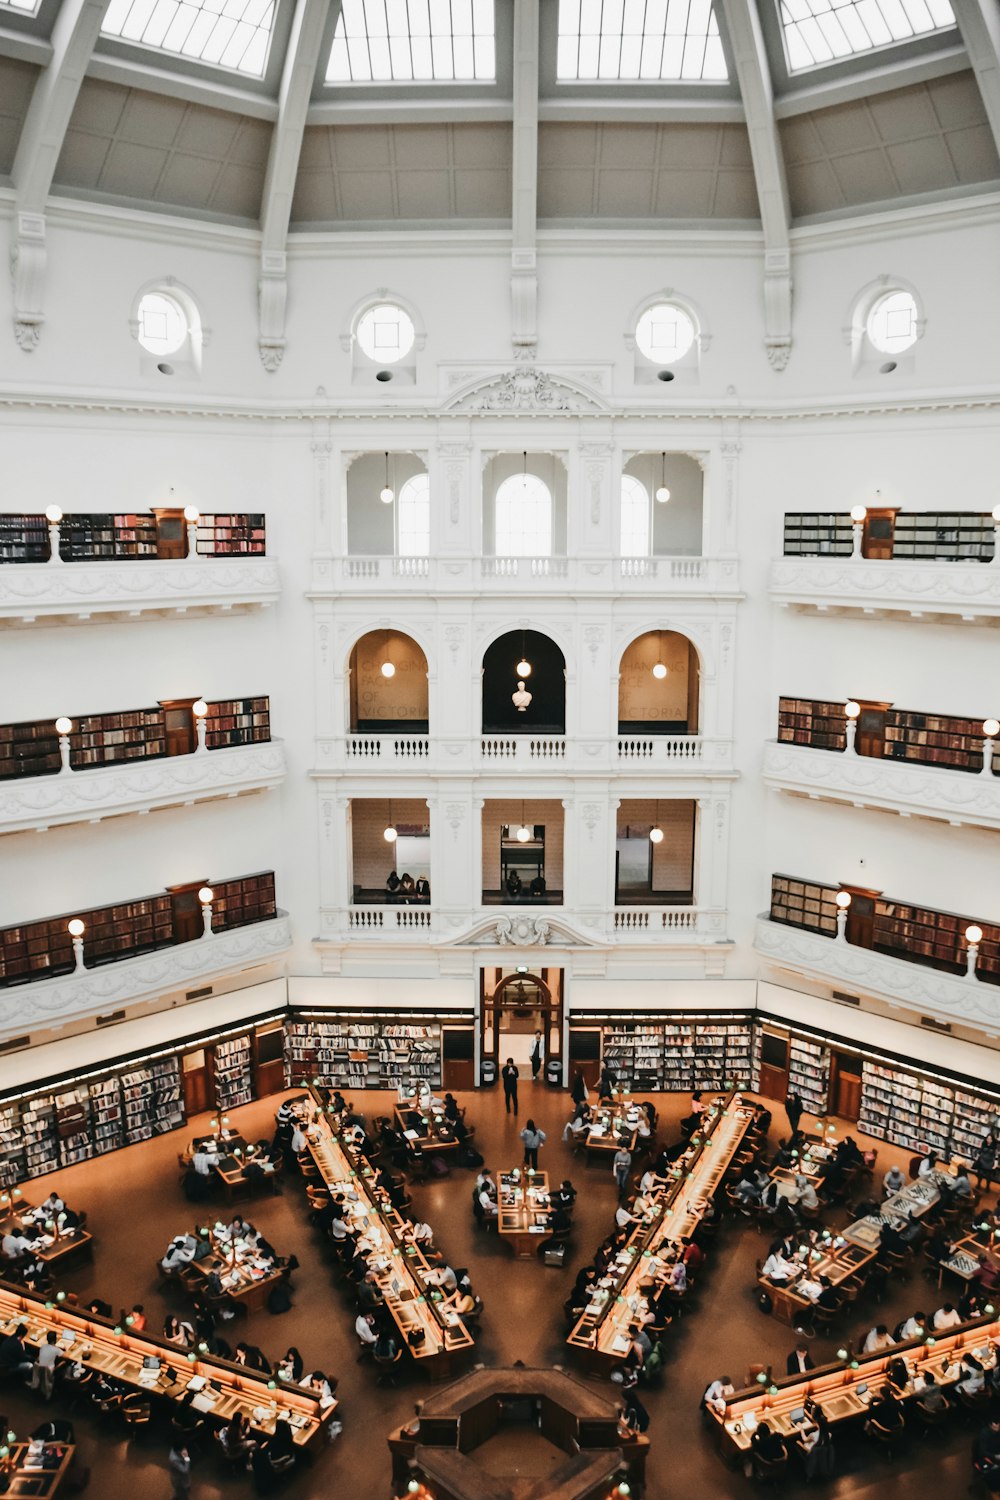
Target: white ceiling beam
863,82
979,24
298,75
746,42
74,36
524,182
214,92
25,47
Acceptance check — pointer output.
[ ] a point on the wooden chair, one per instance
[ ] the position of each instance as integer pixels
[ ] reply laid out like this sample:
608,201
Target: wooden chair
137,1412
768,1470
885,1437
930,1421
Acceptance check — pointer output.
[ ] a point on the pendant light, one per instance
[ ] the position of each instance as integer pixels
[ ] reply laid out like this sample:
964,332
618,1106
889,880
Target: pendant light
656,832
388,668
387,494
659,668
390,833
662,493
524,470
523,668
523,834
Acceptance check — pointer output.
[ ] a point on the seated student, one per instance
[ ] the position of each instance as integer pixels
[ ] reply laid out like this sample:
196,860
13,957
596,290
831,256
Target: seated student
815,1443
537,887
771,1196
890,1240
102,1309
800,1361
915,1326
748,1190
422,888
136,1319
205,1158
578,1125
451,1109
930,1395
946,1317
180,1252
972,1304
829,1296
322,1386
565,1195
928,1164
53,1205
461,1301
235,1438
778,1268
369,1292
849,1152
962,1187
897,1374
715,1395
939,1245
15,1244
290,1366
886,1412
178,1331
805,1194
973,1376
14,1356
893,1181
768,1445
877,1339
387,1343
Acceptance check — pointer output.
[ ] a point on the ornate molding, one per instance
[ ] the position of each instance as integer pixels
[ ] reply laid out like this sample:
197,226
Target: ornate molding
29,591
906,986
523,930
50,1002
137,786
859,586
897,786
525,389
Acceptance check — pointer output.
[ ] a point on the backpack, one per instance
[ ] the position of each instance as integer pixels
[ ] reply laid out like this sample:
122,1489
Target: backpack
764,1302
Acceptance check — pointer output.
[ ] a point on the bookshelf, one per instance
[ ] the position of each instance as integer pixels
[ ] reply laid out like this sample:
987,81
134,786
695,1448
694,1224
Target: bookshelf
804,903
231,535
139,1097
238,721
680,1053
633,1051
936,938
12,1167
41,1140
807,721
87,538
944,536
135,535
106,1115
934,739
809,1073
24,539
818,534
362,1054
917,1110
103,739
73,1126
29,750
233,1078
168,1102
240,902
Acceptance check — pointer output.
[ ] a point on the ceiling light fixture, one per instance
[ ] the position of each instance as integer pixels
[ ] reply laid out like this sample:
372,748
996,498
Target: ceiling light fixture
388,668
390,833
523,834
656,832
387,494
662,493
659,668
523,668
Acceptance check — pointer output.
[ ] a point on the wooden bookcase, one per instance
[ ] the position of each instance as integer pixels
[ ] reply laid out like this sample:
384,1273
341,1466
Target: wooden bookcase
934,739
92,536
232,535
363,1053
240,902
951,536
809,721
804,903
818,534
238,721
102,739
29,750
24,539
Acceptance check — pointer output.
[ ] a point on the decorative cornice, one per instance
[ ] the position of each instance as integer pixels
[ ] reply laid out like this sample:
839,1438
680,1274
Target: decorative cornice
903,985
897,786
526,389
87,796
859,586
50,1002
32,591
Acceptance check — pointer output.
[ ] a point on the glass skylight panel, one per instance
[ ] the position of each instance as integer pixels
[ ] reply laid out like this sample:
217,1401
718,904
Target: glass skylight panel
26,7
413,41
820,31
226,33
639,41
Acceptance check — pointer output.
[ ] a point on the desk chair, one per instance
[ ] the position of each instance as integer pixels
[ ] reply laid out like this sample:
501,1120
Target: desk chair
768,1470
386,1374
976,1405
885,1437
137,1412
930,1421
822,1317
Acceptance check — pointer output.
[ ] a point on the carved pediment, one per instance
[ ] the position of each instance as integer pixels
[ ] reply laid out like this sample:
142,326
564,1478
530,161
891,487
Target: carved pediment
523,930
525,388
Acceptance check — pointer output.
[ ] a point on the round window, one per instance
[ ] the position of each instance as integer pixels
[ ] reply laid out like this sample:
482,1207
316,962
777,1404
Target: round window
163,324
386,333
665,333
892,323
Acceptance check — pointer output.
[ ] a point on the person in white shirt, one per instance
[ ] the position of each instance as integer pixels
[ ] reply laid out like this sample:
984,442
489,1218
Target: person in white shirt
487,1202
973,1376
204,1160
914,1327
15,1244
53,1205
805,1193
180,1252
928,1164
879,1338
623,1217
893,1181
778,1268
298,1140
946,1317
962,1187
715,1395
43,1377
442,1276
810,1289
364,1327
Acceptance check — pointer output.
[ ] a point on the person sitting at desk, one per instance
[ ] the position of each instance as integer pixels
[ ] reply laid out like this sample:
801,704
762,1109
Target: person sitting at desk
829,1297
748,1190
281,1444
677,1278
767,1445
915,1327
972,1304
565,1195
972,1376
785,1244
715,1395
290,1366
771,1195
962,1188
850,1153
461,1301
886,1413
578,1124
897,1375
815,1442
987,1277
370,1293
205,1158
946,1317
488,1203
322,1386
891,1241
894,1181
939,1246
235,1439
136,1319
14,1356
805,1194
178,1331
180,1252
928,1164
877,1339
930,1395
799,1362
15,1244
53,1205
387,1343
442,1276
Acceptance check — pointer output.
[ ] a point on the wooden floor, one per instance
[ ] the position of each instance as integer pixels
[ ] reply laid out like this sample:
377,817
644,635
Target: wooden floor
135,1205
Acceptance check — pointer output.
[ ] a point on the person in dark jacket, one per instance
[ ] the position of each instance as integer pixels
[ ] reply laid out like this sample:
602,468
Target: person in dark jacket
510,1075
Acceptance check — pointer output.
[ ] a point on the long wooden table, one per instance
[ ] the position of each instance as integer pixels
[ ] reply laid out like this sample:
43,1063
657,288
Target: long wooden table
54,1249
836,1387
242,1279
400,1266
610,1125
523,1208
602,1336
429,1137
916,1198
226,1389
838,1260
36,1469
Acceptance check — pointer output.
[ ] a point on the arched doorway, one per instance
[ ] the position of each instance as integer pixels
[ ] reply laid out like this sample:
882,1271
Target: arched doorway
545,682
388,684
659,682
516,1004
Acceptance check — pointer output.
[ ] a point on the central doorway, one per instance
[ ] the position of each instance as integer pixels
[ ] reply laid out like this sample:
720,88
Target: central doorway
515,1006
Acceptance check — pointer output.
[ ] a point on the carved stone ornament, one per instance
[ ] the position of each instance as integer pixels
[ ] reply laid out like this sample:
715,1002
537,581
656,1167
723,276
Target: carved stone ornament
517,930
272,352
525,388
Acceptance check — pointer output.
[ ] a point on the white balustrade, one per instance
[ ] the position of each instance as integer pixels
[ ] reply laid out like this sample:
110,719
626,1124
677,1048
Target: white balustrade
387,749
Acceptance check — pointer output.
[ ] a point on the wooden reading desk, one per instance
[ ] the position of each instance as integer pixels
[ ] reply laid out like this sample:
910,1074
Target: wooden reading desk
57,1248
837,1388
606,1129
836,1258
221,1389
400,1267
244,1280
602,1336
235,1154
36,1469
434,1134
523,1210
916,1198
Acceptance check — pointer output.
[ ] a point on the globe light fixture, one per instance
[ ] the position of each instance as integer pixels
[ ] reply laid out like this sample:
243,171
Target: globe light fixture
386,494
662,494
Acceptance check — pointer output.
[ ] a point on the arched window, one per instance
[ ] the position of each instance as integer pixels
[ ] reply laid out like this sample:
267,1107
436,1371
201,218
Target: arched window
413,518
635,518
386,333
665,333
892,324
523,517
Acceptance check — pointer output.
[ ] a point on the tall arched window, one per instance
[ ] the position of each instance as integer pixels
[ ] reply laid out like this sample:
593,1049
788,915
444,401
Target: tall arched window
523,517
413,518
635,518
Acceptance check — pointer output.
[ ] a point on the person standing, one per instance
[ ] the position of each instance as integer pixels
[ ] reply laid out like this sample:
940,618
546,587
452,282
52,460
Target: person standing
532,1138
510,1075
579,1091
179,1465
536,1057
793,1109
621,1166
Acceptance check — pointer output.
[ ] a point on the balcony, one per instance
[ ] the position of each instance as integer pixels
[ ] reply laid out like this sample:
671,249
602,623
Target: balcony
31,593
905,787
686,577
49,1002
636,926
861,971
138,786
892,589
678,755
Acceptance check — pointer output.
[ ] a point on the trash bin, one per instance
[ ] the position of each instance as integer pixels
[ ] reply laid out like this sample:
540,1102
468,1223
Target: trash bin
487,1073
553,1073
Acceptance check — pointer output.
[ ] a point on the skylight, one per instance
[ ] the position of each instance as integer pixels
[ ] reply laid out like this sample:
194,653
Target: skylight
227,33
413,41
639,41
820,31
27,6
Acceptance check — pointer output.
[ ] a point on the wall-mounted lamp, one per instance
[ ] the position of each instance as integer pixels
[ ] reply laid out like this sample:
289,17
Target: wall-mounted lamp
973,936
206,896
843,906
76,929
191,518
387,494
64,728
991,728
859,514
54,517
662,493
199,710
851,712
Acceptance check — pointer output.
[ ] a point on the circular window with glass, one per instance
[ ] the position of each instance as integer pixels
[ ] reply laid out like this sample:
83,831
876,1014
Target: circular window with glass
386,333
163,324
665,333
891,325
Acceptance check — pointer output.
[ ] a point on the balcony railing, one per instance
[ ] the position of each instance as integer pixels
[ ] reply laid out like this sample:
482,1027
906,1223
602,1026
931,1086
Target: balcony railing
129,589
689,576
522,747
856,585
680,755
636,925
902,786
386,749
88,795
